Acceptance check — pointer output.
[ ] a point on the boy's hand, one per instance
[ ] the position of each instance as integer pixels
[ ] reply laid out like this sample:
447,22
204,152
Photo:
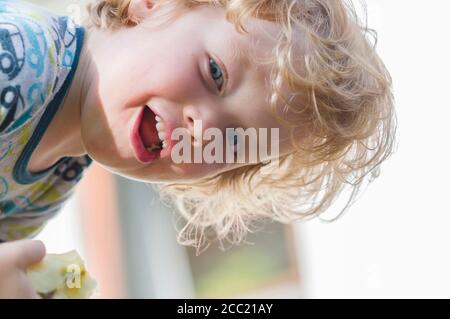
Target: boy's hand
15,257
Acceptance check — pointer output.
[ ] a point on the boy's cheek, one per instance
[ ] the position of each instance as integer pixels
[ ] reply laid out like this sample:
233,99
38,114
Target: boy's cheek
116,80
123,91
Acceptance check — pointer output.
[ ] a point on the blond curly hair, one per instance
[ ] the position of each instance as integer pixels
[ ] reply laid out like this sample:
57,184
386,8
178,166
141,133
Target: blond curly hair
343,92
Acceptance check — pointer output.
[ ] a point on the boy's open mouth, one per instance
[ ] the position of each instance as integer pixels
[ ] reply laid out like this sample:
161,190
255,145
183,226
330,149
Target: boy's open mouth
150,136
149,133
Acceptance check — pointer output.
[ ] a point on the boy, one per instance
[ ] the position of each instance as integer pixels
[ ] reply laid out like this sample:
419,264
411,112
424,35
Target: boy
117,89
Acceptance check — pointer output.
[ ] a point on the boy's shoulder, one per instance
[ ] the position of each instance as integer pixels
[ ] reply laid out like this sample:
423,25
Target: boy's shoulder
37,51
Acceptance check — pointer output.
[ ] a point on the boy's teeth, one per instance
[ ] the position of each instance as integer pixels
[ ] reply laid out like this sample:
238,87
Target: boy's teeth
157,147
153,147
160,126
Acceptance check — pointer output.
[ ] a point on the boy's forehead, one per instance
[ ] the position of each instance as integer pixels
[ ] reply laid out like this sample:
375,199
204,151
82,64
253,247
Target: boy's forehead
257,44
253,52
247,47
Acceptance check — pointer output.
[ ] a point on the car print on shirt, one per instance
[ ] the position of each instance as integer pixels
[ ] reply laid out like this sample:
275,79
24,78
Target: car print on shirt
12,50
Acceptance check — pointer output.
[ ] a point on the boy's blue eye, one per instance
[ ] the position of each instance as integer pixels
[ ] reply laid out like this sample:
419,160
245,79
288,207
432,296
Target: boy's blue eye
216,73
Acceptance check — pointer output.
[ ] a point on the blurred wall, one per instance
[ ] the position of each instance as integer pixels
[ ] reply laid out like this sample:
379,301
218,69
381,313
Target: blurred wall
157,267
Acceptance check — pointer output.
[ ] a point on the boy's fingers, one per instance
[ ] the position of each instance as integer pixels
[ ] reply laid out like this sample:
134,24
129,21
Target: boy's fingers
28,252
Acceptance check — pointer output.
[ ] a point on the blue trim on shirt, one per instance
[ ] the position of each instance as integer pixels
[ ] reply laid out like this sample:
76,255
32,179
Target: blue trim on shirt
20,173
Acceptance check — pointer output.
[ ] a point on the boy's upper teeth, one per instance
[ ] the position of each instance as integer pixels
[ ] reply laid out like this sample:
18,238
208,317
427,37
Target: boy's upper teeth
160,128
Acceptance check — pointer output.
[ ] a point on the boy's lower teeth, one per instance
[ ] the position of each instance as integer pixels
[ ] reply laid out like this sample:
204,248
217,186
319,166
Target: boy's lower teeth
153,148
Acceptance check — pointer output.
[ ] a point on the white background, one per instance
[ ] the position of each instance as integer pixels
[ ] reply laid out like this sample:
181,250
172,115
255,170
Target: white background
395,241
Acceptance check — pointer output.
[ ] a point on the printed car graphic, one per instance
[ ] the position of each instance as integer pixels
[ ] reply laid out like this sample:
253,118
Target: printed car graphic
12,50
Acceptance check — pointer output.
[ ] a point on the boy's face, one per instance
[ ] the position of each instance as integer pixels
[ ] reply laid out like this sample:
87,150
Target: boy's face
169,70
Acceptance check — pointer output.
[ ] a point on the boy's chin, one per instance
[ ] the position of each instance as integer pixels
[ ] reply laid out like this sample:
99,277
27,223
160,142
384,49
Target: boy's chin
170,173
161,170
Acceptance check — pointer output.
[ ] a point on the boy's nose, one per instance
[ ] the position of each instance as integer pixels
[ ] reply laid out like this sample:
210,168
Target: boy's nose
190,116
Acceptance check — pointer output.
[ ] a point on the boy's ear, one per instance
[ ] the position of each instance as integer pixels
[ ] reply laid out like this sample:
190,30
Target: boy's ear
138,10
